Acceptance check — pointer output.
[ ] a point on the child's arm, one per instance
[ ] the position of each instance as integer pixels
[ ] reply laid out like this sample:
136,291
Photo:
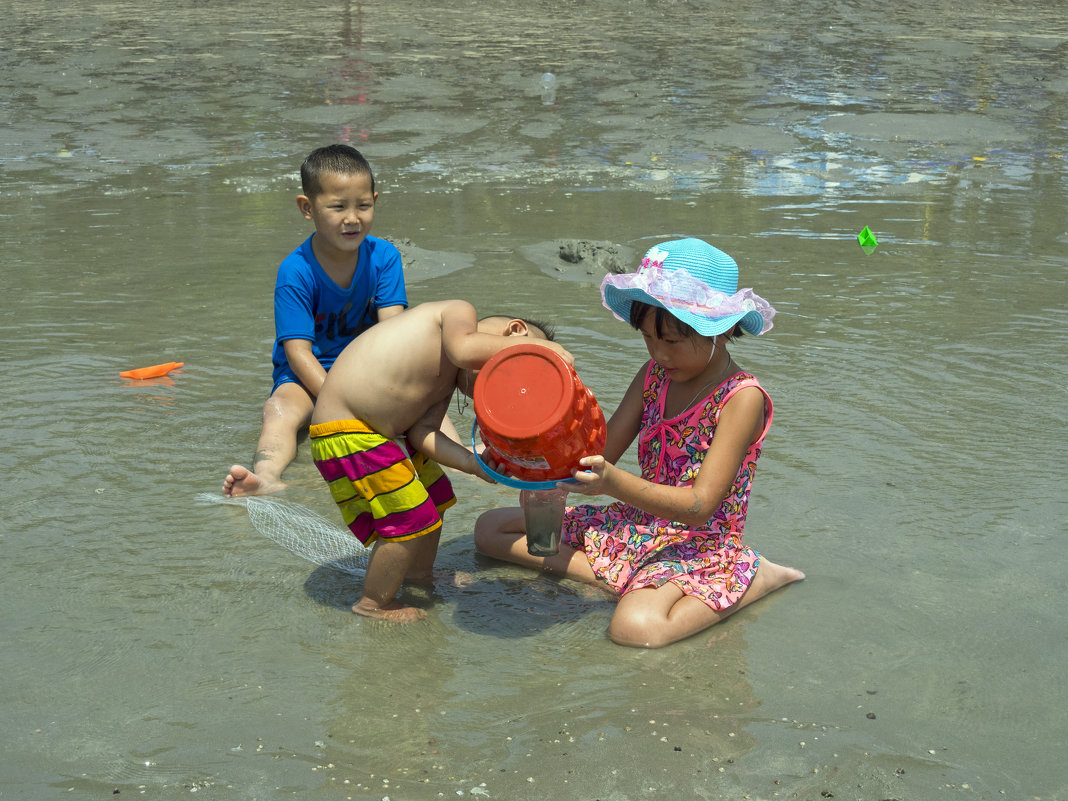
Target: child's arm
740,423
427,437
385,312
304,365
626,420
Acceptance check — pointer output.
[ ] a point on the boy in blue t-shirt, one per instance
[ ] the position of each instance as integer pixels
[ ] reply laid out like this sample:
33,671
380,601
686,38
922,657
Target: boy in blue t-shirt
339,282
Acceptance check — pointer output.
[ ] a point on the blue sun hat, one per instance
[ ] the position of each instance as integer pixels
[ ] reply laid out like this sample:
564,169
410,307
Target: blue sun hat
694,281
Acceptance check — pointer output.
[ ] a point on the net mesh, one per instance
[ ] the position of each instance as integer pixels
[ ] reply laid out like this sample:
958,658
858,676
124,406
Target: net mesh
305,533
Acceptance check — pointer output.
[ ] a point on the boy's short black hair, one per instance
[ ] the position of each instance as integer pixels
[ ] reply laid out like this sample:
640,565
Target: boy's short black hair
546,328
342,159
638,310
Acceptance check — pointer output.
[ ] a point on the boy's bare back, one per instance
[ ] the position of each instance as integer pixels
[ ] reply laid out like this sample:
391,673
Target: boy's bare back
397,370
392,373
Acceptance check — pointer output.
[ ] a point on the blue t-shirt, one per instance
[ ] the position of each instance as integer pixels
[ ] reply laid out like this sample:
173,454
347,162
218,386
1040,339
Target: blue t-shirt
309,305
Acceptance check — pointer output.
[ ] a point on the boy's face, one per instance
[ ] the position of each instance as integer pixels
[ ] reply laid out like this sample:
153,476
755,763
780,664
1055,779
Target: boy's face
342,213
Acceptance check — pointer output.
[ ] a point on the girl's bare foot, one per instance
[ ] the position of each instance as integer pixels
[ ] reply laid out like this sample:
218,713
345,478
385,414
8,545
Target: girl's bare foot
393,612
241,482
777,576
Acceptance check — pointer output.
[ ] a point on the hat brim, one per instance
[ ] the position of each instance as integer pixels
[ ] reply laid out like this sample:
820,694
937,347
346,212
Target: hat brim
619,302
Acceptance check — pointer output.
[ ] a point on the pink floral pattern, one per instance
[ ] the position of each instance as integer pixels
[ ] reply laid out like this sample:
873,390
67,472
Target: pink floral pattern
630,549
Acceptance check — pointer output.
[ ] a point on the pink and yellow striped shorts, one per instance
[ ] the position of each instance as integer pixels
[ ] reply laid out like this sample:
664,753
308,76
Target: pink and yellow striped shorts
382,490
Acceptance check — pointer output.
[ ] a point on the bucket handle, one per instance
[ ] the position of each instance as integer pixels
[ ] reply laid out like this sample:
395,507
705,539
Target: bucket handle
508,481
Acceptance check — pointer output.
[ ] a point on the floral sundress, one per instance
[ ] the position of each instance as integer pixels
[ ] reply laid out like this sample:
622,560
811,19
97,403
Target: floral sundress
629,549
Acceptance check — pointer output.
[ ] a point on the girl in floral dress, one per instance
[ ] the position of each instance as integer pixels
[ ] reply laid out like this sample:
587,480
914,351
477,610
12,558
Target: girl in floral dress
671,544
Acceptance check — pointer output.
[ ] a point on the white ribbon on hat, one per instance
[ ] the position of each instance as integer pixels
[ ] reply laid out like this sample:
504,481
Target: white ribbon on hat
680,291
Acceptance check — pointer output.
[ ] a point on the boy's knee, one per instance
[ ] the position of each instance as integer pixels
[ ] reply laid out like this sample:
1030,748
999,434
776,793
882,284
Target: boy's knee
274,406
276,410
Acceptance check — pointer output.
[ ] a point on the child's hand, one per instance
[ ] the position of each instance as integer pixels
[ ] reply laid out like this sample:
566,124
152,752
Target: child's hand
591,480
557,348
477,471
567,357
480,473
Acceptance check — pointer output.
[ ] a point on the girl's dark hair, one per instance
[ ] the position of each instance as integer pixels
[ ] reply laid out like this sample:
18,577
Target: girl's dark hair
342,159
663,318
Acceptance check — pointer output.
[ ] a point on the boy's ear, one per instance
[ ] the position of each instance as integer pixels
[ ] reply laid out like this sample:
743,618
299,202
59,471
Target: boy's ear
516,328
305,205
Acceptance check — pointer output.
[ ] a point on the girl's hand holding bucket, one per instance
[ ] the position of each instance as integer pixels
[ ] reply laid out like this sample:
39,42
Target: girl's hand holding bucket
590,476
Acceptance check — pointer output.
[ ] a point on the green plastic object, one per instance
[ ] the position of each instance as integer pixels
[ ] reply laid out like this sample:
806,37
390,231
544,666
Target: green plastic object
867,239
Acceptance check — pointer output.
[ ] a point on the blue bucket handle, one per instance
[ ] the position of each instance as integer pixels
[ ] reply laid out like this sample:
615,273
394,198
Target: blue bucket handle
508,481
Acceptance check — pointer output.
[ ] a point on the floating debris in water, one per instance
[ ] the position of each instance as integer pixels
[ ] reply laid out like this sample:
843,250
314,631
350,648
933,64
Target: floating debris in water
867,240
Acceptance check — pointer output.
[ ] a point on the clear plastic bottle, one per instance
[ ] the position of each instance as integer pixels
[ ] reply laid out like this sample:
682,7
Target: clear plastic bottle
548,88
543,511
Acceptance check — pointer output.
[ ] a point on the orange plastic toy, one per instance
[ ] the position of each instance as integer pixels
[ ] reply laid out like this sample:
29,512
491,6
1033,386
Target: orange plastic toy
535,413
155,371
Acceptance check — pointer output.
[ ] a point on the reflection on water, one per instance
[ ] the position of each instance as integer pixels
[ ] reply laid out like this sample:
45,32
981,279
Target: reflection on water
914,469
769,101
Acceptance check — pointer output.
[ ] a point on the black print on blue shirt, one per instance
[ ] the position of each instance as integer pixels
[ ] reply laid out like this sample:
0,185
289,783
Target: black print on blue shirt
336,325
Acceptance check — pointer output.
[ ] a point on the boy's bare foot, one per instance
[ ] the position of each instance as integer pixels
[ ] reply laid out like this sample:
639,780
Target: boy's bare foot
241,482
393,612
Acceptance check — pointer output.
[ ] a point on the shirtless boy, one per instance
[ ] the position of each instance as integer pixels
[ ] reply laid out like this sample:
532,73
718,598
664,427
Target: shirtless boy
393,383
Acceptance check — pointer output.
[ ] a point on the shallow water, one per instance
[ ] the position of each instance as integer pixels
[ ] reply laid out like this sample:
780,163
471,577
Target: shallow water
158,646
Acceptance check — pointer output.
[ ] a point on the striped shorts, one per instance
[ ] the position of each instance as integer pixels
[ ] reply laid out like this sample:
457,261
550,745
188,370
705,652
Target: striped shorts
383,490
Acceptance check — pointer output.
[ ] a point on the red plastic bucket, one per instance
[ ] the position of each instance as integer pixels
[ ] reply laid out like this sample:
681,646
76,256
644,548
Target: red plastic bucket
535,413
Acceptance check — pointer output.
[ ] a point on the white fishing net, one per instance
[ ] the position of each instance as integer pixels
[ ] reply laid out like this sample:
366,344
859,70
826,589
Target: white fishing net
298,528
